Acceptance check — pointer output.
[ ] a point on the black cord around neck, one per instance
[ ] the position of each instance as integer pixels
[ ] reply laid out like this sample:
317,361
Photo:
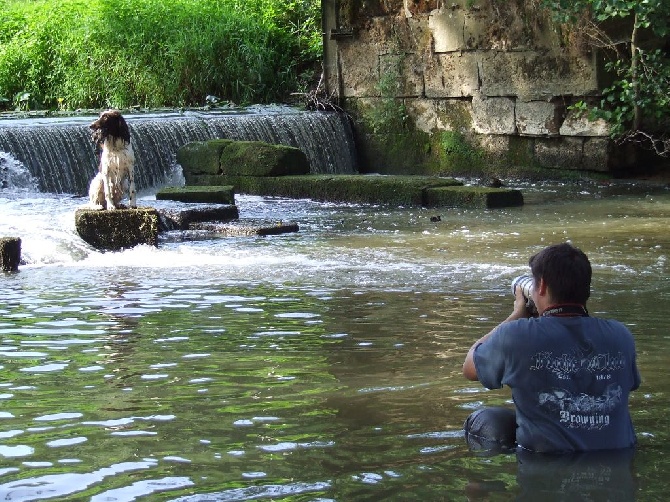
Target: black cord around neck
566,310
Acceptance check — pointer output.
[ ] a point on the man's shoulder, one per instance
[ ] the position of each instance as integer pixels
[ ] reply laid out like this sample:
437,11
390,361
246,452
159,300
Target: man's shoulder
613,324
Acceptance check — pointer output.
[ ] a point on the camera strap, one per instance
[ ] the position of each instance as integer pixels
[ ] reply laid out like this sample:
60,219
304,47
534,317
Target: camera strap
567,310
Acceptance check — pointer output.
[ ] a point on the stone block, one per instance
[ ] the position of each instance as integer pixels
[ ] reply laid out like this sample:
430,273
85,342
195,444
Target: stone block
493,115
201,157
447,29
392,190
10,254
451,75
536,118
198,194
597,155
533,75
502,149
247,228
359,69
476,29
423,113
432,115
240,158
117,229
181,219
559,153
577,124
473,197
400,75
256,158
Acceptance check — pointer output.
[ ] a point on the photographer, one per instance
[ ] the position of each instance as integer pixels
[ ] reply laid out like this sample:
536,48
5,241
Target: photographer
570,373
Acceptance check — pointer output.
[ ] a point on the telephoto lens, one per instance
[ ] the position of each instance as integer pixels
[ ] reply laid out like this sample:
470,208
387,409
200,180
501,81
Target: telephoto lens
525,282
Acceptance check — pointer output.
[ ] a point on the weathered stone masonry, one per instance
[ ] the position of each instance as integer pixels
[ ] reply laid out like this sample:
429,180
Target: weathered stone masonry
496,72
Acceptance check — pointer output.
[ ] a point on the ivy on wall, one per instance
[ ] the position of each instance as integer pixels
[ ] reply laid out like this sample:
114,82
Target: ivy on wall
637,103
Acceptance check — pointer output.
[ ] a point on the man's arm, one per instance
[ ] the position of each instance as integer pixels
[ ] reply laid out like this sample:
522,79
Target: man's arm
520,312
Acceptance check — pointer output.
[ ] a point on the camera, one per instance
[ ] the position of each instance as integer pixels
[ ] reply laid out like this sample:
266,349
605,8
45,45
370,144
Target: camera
525,282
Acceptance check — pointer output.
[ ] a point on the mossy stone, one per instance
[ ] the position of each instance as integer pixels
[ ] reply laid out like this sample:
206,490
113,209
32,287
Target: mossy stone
201,157
117,229
256,158
198,194
473,197
370,189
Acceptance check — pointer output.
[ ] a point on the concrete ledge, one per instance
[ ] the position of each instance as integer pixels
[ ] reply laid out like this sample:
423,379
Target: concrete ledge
392,190
198,194
473,197
117,229
182,219
10,254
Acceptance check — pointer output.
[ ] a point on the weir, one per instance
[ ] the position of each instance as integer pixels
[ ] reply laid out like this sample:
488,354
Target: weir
59,152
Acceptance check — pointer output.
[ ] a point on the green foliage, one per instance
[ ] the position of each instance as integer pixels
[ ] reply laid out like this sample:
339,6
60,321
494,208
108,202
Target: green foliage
456,151
98,53
652,14
640,94
389,115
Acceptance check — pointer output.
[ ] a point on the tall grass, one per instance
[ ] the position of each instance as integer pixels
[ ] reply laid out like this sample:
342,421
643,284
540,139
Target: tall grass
72,54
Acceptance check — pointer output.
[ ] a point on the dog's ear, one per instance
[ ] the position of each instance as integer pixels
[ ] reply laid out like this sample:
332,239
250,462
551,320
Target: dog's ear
117,126
124,131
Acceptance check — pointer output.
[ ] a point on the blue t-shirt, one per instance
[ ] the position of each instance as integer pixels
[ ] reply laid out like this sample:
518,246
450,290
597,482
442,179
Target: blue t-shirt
570,379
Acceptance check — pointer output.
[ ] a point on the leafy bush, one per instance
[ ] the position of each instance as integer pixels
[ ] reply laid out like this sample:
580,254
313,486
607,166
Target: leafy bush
102,53
637,103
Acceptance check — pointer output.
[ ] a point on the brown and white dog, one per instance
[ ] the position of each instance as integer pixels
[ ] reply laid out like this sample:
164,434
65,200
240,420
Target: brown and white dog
116,171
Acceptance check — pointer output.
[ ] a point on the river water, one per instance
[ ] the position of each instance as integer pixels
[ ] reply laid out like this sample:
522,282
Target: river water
322,365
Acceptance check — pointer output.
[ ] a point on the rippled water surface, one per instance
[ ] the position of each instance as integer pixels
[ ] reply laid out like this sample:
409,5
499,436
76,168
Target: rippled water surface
319,365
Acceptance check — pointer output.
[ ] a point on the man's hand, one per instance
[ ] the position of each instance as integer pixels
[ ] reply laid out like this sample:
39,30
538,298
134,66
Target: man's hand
519,312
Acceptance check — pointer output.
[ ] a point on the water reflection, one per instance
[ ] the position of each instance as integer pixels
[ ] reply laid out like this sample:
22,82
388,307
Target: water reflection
606,475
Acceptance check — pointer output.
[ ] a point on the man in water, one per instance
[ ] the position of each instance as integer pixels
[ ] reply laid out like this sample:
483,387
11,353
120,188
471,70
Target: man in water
570,373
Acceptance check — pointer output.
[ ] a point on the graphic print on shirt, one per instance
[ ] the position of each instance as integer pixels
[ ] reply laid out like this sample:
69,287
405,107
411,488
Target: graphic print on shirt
580,410
567,365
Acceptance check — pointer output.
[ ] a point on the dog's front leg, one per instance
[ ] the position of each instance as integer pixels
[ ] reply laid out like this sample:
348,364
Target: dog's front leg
108,192
132,194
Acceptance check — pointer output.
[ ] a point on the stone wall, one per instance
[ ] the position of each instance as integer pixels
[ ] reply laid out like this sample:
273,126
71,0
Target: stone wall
437,87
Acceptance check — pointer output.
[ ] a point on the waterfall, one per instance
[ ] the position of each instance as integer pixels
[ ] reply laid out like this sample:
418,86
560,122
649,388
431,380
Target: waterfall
59,152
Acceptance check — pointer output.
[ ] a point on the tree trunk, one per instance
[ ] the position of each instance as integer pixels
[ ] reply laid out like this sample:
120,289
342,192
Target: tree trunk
635,81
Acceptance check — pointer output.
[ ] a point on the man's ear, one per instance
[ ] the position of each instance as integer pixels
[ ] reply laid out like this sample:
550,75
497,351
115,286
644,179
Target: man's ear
542,287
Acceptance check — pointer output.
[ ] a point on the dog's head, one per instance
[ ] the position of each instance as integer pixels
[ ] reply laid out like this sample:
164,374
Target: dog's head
110,124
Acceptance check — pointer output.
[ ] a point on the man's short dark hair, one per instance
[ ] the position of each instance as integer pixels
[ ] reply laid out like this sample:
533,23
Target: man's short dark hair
566,270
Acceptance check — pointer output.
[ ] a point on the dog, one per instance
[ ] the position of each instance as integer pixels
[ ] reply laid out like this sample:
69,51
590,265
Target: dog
116,170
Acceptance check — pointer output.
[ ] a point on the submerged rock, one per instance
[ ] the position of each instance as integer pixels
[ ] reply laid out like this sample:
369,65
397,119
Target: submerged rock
10,254
117,229
181,219
473,197
247,228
